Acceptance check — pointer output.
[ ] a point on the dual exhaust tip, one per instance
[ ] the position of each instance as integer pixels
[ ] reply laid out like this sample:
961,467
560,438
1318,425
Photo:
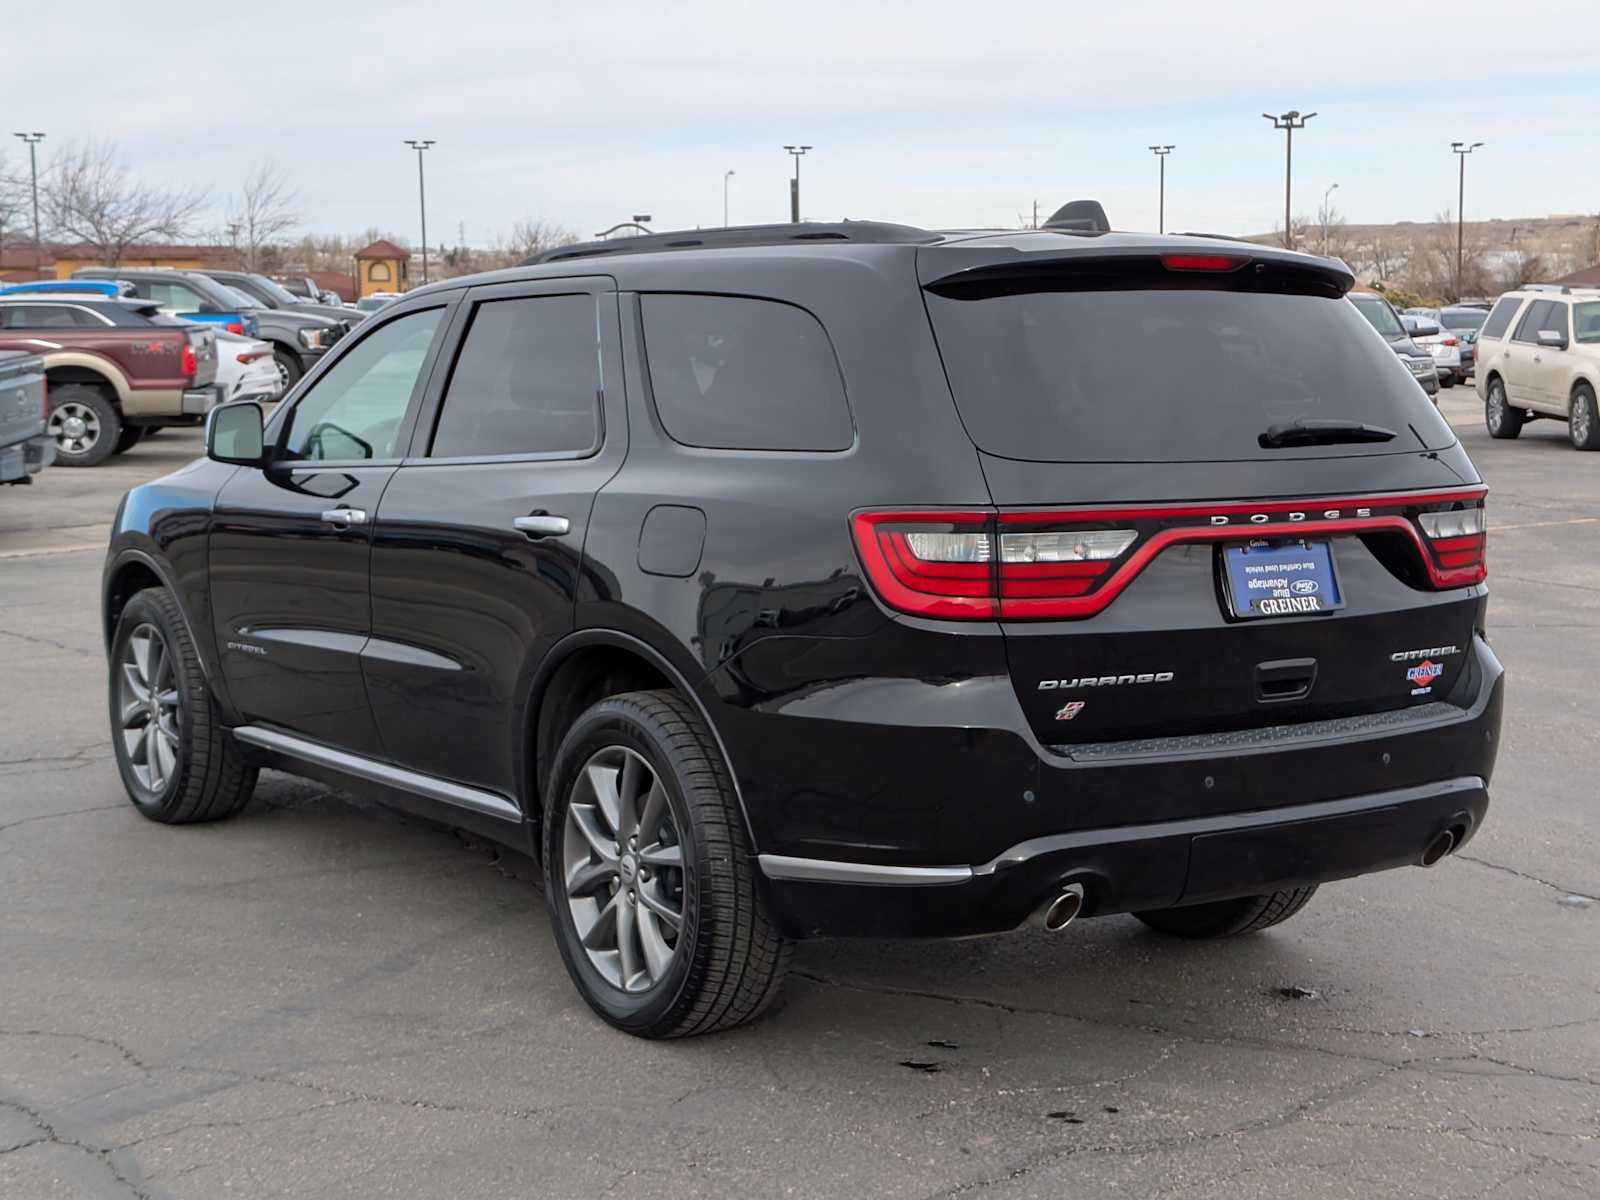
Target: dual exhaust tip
1434,852
1061,910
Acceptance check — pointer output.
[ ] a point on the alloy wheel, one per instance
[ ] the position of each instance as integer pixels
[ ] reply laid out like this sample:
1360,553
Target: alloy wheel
622,869
76,427
147,701
1580,417
283,376
1497,407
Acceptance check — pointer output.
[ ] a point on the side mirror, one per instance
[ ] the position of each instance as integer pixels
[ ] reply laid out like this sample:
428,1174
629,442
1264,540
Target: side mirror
1552,339
234,434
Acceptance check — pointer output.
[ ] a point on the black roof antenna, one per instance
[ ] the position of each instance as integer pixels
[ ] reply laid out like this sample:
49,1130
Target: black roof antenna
1080,216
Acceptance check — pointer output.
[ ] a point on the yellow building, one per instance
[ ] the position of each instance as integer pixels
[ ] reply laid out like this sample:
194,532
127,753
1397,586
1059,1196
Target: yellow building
183,258
381,267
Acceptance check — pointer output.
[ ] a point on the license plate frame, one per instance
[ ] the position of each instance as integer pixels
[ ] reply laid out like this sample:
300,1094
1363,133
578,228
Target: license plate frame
1268,579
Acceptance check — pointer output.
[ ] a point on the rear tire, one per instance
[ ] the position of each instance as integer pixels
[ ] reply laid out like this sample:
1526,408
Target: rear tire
85,424
178,764
642,828
1499,418
1228,918
1583,419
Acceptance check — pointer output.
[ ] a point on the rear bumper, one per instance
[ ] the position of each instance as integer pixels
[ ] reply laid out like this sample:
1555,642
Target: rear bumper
199,401
24,459
1377,790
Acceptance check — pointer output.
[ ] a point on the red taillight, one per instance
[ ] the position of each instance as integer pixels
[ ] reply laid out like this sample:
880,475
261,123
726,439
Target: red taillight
1067,564
235,327
1451,342
1203,262
189,364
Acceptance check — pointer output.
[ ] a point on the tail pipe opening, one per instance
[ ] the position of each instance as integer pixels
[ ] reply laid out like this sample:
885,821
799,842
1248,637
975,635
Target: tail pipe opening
1434,852
1061,909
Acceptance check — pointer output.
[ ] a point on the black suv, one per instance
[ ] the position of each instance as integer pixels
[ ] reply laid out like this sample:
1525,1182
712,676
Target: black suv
838,579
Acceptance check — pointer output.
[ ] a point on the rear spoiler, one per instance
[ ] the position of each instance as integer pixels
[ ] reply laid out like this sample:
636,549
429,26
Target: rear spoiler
1208,268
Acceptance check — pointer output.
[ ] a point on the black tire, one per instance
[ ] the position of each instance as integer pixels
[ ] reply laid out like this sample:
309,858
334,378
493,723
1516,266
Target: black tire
86,424
207,778
1499,417
1447,381
130,437
1228,918
729,958
288,364
1583,419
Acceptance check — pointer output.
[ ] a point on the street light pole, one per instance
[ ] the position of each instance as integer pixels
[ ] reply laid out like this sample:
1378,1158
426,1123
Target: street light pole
419,145
794,184
1288,122
1325,215
726,175
1161,153
33,140
1461,149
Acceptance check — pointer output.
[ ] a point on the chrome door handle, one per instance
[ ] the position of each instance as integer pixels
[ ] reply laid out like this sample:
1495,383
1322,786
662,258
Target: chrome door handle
345,516
542,525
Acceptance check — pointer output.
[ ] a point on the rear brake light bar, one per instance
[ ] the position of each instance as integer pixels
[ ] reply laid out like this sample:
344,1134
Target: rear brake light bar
1065,564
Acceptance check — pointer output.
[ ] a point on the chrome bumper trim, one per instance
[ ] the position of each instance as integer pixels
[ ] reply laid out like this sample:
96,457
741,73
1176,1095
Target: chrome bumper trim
821,870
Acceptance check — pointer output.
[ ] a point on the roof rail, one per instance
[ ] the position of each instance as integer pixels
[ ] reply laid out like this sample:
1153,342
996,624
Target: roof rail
871,232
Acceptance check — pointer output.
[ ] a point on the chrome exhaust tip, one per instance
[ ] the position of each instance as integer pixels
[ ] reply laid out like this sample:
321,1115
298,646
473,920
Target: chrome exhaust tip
1434,852
1062,910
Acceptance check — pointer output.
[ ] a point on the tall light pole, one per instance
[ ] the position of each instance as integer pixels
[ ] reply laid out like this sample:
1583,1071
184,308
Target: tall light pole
33,140
1288,122
794,184
726,175
1461,149
419,145
1325,214
1161,153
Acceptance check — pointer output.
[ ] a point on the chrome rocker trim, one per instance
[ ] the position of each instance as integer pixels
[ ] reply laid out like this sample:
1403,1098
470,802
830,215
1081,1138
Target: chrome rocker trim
487,803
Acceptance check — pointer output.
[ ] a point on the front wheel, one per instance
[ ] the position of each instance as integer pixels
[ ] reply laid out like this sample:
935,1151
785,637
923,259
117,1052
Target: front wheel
289,371
177,762
1502,420
1583,419
649,876
1228,918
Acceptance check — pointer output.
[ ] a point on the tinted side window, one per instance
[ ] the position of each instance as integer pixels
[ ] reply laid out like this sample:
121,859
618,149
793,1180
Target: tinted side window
1505,308
1557,318
1532,321
355,410
173,297
732,373
527,380
43,316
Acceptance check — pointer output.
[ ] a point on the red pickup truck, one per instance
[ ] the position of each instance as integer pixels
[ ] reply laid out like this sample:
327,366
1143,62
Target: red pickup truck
113,371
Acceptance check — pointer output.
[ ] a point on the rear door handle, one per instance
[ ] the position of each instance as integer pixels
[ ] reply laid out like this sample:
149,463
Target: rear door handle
345,516
542,525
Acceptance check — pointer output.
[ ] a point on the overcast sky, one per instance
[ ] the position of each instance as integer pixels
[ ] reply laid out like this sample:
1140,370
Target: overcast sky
586,112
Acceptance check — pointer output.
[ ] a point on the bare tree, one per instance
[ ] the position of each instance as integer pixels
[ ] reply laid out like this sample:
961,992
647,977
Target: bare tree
263,211
529,237
14,202
92,198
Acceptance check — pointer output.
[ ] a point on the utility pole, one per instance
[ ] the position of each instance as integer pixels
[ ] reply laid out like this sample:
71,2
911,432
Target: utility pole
794,184
1036,214
1161,153
726,175
1288,122
1461,149
33,140
419,145
1325,215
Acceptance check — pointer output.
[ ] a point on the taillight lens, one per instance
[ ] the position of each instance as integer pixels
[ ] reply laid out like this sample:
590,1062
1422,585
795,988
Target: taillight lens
1458,540
235,327
934,564
189,364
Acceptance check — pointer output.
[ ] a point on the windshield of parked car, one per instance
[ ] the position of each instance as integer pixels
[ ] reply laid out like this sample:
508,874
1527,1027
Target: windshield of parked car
1376,310
1463,318
238,298
1154,375
1586,321
276,290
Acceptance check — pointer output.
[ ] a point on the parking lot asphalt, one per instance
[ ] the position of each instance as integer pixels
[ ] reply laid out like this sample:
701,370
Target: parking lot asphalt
323,999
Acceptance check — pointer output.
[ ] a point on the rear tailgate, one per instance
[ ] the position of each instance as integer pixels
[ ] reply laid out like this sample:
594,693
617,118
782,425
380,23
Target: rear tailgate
1144,513
21,397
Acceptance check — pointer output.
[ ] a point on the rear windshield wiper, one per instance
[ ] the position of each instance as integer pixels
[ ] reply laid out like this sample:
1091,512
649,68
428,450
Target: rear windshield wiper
1321,433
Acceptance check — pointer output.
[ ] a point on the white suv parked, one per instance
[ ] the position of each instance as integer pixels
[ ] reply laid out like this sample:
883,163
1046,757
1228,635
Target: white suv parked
1539,356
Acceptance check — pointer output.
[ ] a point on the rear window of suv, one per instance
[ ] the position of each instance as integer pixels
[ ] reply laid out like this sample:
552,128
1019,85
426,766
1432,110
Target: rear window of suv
737,373
1150,375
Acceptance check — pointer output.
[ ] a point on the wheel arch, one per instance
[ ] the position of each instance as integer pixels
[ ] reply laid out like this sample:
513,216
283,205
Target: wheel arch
131,572
63,369
584,667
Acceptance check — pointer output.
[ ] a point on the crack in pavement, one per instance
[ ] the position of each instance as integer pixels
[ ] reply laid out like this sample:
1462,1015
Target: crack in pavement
51,816
106,1156
1555,887
51,642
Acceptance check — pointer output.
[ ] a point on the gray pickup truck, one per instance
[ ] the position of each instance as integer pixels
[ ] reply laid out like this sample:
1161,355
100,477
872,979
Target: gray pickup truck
25,447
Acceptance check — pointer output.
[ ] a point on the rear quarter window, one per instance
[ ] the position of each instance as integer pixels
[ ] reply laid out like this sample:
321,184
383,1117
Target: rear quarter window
1500,317
738,373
